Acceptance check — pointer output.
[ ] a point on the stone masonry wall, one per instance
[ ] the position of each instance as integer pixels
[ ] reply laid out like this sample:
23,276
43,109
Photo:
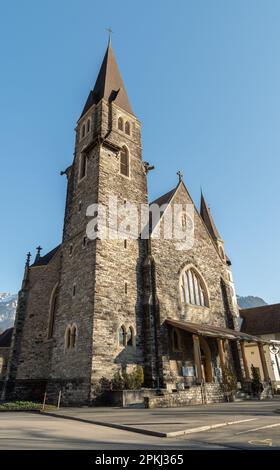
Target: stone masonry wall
169,262
196,395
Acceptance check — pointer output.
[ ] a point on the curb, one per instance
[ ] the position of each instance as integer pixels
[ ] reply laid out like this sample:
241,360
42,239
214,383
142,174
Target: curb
147,431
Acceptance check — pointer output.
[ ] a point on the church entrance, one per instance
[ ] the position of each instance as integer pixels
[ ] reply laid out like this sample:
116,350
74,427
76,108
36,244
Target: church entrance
206,361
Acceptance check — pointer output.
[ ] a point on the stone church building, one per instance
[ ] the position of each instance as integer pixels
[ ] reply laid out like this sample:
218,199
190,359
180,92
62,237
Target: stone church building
92,307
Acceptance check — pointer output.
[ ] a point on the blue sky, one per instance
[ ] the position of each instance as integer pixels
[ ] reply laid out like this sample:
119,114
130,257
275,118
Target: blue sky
204,79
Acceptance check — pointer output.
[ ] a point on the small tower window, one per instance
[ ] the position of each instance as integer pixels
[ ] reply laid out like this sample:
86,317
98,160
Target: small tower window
125,244
122,336
70,249
74,290
127,128
88,125
120,123
83,131
124,162
73,336
68,337
80,206
125,287
53,308
84,242
129,339
83,165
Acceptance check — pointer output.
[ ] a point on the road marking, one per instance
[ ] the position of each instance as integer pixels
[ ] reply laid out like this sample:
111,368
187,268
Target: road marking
258,429
207,428
265,442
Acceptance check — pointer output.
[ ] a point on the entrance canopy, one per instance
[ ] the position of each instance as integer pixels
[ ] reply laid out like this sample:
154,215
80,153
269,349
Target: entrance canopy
213,331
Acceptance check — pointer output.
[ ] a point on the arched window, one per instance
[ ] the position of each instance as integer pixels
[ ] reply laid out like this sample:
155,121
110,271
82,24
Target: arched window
83,131
88,125
120,123
124,162
68,337
53,308
122,336
1,365
130,335
83,165
73,336
127,128
193,290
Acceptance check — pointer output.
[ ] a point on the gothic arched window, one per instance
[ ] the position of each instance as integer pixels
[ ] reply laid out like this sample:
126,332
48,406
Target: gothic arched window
124,162
83,165
193,290
122,336
68,337
53,307
83,131
130,336
127,128
120,123
73,336
1,365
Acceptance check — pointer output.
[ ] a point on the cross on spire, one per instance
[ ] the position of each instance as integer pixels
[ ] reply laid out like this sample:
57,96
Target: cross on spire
110,31
180,175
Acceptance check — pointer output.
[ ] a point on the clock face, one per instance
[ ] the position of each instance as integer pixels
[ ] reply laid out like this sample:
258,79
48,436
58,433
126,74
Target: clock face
274,349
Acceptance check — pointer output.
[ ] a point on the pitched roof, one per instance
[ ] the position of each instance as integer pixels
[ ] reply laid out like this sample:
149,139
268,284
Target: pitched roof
204,329
165,199
261,320
43,260
208,219
6,338
109,85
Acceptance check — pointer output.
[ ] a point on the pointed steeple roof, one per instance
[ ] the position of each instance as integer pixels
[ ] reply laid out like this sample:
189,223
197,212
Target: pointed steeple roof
208,219
109,84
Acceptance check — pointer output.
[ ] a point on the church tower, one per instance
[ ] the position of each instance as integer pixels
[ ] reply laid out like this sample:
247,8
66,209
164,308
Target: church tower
98,327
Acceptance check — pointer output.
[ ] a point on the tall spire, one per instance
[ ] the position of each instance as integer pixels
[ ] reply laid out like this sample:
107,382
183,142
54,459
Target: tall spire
208,219
109,84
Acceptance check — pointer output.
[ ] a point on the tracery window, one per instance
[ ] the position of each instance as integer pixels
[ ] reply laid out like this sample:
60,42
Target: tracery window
193,290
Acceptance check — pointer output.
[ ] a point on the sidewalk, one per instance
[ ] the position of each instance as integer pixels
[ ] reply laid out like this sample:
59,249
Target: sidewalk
171,422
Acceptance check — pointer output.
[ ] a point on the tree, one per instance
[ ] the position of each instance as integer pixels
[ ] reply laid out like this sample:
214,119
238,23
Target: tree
257,386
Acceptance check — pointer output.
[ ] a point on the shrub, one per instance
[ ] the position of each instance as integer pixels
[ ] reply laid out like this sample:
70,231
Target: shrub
257,386
128,381
229,379
23,406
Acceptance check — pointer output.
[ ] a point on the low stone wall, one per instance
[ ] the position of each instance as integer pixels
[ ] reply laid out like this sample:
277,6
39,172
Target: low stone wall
196,395
125,398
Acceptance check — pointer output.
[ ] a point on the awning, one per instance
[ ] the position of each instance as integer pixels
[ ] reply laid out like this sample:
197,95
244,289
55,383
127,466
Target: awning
204,329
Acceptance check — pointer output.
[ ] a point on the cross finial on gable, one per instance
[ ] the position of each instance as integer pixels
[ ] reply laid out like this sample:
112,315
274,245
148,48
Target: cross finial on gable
28,257
39,249
180,175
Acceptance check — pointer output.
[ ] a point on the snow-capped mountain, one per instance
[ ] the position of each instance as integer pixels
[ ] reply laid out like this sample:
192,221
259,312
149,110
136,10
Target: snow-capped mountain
8,305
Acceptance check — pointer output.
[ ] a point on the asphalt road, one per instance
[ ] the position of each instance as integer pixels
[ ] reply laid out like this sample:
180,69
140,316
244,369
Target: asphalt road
255,426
